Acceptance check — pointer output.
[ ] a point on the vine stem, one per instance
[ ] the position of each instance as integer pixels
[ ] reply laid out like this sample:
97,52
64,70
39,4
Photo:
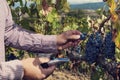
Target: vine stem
107,19
103,22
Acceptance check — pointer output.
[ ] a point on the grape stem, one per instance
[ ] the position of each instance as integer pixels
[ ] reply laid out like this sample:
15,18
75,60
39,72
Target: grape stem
103,22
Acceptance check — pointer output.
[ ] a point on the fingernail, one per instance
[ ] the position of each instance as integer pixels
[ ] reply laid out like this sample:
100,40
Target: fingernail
77,36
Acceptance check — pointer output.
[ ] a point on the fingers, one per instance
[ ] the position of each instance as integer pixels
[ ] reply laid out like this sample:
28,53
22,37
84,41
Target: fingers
73,34
49,70
76,32
77,42
33,70
69,44
68,39
37,61
46,71
75,37
44,59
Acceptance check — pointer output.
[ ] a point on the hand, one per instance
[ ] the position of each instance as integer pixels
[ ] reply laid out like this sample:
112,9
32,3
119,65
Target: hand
33,70
68,39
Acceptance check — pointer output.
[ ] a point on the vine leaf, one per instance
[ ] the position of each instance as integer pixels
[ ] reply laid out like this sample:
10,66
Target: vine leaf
114,17
117,39
112,4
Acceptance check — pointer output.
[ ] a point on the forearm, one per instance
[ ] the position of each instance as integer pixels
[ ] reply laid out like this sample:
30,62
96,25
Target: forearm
11,70
20,38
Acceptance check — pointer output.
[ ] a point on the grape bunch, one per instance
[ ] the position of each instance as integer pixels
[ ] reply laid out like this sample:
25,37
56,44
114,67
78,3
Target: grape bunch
109,46
93,47
96,45
99,49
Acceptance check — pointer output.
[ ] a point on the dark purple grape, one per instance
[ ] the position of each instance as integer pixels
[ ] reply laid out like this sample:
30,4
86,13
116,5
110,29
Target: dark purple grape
83,36
93,47
109,46
110,67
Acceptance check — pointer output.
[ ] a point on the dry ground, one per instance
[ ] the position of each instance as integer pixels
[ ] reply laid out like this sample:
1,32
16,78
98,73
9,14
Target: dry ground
66,75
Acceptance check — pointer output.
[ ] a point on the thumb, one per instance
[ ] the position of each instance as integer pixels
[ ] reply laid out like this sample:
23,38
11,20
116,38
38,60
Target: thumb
74,37
49,70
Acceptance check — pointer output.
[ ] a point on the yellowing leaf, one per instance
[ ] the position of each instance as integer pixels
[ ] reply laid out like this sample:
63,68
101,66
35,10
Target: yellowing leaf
112,5
117,40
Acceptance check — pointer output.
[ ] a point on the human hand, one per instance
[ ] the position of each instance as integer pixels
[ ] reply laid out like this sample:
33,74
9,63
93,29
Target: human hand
68,39
33,70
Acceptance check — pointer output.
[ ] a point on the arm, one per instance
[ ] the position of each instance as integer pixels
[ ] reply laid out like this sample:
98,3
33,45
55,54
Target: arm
8,70
19,38
12,70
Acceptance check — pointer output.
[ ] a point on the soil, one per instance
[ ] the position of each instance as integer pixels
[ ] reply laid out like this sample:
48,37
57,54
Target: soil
66,75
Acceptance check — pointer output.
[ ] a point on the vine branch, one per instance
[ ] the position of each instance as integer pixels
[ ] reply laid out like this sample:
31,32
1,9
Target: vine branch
103,22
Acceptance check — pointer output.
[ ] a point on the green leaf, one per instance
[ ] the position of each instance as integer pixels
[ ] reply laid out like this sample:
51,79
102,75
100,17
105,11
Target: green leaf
21,2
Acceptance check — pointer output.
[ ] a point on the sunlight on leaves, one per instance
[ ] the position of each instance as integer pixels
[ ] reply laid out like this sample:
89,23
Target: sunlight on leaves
112,4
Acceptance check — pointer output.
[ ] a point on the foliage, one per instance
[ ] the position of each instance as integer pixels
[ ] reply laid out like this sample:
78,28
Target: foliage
114,7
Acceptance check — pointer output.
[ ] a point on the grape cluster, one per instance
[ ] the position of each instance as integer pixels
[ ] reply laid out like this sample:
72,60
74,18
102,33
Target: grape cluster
96,45
99,50
83,36
93,47
109,46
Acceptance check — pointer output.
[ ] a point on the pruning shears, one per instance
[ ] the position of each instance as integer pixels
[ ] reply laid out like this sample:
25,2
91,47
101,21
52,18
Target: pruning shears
54,62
